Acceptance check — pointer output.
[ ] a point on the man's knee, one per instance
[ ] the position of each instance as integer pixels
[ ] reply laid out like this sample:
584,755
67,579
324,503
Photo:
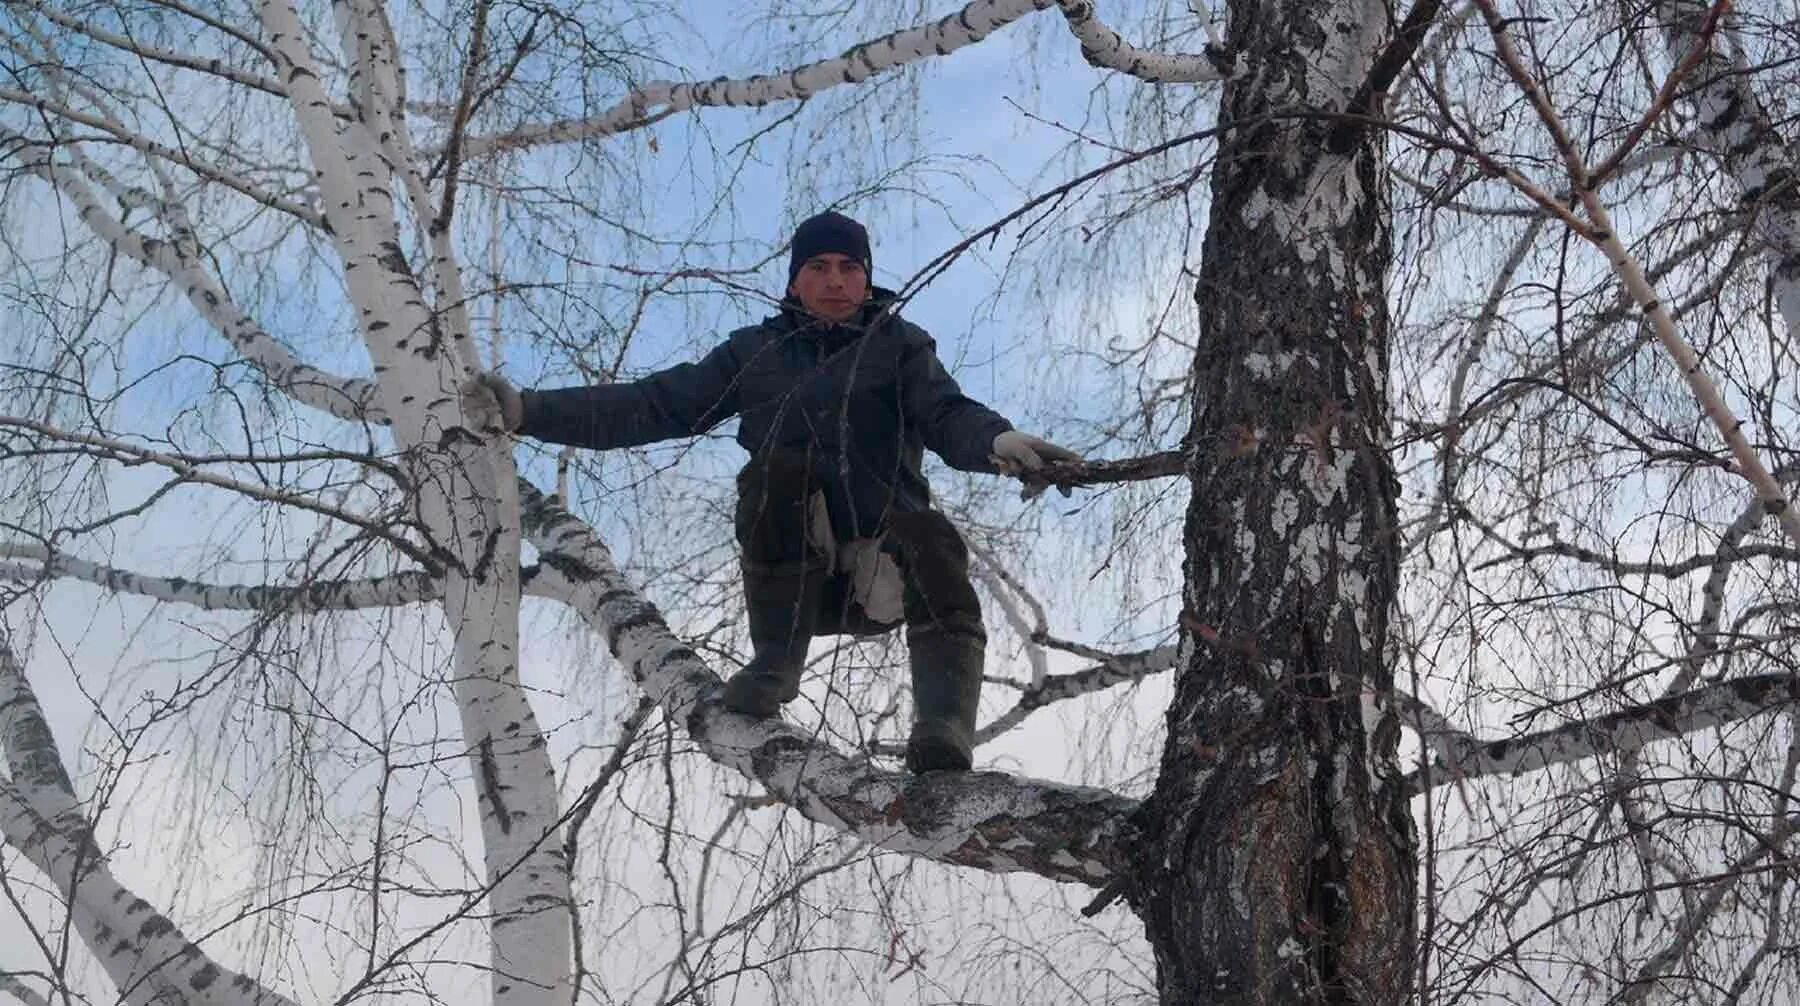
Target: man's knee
935,561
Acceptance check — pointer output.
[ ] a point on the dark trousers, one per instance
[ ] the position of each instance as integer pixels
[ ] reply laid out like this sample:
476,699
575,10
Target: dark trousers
778,522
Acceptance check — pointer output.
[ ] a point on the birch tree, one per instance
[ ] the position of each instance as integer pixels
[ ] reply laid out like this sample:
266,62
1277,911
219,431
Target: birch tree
1448,346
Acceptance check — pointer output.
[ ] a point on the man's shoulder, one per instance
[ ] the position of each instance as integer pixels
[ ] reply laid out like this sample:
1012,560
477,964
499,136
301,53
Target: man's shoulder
909,335
758,333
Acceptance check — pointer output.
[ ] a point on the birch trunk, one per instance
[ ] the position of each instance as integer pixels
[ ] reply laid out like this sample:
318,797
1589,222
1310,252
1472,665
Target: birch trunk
466,503
1278,857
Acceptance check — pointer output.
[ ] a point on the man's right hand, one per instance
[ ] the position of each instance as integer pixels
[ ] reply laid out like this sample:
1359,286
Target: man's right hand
488,397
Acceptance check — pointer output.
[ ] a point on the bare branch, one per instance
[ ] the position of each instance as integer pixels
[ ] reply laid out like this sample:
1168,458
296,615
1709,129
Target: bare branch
346,398
1102,47
1162,464
211,173
1675,716
33,562
189,472
1602,233
1117,669
208,65
1100,44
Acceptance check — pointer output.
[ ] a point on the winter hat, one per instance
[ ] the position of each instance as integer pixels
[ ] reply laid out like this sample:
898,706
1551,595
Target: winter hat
829,232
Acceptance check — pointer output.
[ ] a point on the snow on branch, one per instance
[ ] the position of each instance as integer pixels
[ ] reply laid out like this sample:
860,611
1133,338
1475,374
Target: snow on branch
1463,757
1099,44
986,820
148,958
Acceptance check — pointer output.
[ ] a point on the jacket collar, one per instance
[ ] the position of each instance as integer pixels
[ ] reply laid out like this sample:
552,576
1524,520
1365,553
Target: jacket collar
875,310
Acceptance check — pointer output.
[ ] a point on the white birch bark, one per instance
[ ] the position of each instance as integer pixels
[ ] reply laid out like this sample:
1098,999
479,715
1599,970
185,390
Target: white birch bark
1100,45
21,563
1103,47
147,957
466,502
25,994
25,563
1732,124
1627,730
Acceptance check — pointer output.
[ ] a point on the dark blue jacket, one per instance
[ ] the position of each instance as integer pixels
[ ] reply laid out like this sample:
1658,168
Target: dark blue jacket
866,397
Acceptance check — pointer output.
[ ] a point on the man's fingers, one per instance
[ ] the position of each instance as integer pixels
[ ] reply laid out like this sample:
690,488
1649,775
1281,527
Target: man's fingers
1052,452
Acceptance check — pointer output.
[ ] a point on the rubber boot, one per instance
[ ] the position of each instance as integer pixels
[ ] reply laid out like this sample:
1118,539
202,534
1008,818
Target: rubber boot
946,683
782,602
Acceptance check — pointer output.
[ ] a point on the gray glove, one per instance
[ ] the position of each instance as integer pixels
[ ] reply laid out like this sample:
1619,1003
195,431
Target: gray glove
1016,453
488,398
1020,454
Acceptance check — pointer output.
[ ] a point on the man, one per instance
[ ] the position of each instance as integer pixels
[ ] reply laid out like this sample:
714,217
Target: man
837,398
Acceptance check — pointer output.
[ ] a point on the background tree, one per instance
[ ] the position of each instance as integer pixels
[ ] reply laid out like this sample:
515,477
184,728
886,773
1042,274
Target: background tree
216,216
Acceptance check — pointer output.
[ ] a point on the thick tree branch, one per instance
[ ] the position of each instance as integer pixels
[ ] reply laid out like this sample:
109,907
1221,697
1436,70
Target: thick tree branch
466,497
27,563
1100,45
25,994
980,819
1675,716
1393,60
1162,464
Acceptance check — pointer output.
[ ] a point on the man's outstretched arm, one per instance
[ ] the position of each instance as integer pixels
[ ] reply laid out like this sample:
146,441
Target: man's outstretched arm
682,401
965,433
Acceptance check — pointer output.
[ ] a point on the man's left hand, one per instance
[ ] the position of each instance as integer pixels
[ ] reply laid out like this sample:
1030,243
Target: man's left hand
1018,454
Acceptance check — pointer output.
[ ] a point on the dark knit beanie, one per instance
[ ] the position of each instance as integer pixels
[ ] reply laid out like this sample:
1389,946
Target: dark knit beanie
829,232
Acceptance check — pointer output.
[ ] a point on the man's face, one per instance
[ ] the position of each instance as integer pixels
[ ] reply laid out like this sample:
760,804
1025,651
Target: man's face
831,286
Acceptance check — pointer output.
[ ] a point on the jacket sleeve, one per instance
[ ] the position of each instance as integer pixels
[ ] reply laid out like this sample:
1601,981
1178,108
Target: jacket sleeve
956,427
682,401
